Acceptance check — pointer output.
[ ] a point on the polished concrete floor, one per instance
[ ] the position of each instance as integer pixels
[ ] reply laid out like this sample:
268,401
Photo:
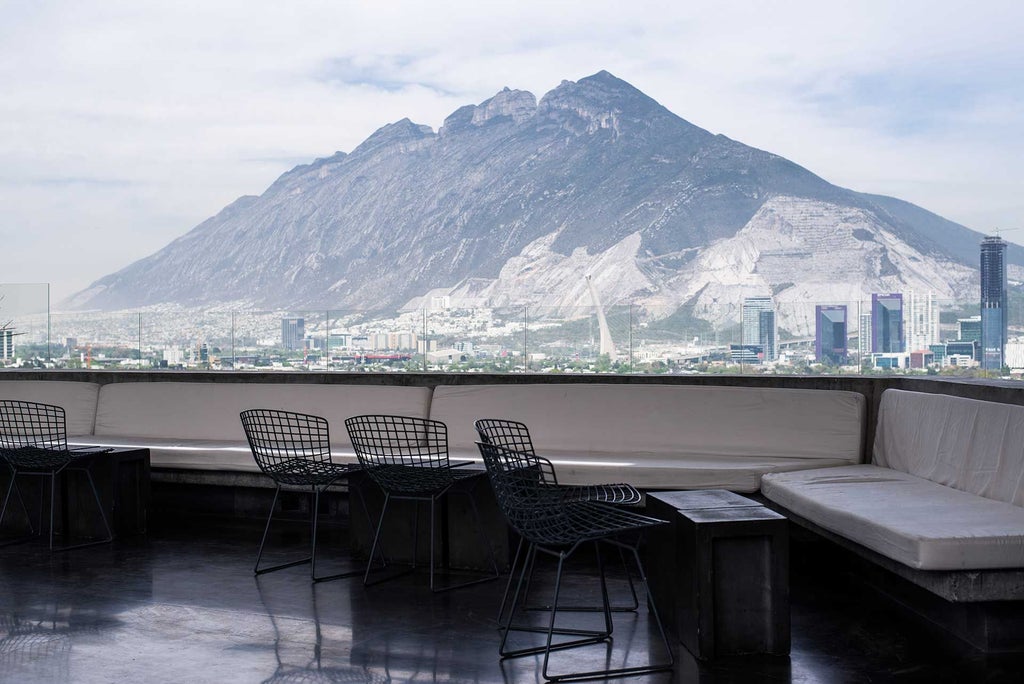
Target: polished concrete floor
182,605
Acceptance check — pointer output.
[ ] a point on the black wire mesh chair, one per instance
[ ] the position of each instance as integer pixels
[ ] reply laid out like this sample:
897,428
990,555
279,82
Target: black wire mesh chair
557,528
33,441
294,449
407,457
514,435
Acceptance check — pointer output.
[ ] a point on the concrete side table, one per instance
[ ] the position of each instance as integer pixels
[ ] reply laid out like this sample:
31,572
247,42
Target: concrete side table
122,482
720,572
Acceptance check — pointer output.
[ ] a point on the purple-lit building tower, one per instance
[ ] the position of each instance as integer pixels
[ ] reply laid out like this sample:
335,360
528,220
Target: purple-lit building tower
887,323
830,334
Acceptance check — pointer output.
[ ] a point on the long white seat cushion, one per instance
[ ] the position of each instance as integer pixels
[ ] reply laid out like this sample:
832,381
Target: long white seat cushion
198,454
974,446
664,436
78,399
904,517
197,425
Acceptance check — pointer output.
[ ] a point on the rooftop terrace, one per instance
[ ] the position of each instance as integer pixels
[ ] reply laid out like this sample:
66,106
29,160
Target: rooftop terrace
181,603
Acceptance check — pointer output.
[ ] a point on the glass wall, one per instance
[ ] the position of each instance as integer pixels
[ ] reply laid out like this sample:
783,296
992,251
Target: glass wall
894,333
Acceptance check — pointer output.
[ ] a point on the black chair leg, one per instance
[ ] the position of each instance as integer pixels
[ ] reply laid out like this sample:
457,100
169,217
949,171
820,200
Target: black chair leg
99,507
12,488
259,555
511,578
630,607
584,636
483,541
312,566
625,671
587,637
377,544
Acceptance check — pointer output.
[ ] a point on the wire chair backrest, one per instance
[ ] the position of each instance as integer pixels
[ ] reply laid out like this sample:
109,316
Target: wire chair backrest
399,441
33,434
519,486
510,434
278,438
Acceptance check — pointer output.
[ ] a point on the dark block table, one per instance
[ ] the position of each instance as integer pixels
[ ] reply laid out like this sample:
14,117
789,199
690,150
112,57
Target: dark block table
719,573
458,541
122,482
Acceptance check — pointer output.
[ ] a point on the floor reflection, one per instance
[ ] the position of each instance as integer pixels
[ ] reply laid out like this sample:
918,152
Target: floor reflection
36,641
300,648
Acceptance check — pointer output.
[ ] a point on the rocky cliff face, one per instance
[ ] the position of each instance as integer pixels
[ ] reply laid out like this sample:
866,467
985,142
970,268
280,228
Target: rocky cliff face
515,201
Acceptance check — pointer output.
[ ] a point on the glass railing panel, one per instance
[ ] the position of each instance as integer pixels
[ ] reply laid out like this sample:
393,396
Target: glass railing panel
577,340
96,341
474,339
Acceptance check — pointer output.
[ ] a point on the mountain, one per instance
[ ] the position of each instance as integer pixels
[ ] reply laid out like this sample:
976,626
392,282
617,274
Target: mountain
515,201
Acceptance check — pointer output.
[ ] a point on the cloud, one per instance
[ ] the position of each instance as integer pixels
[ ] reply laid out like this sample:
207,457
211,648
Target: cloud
124,124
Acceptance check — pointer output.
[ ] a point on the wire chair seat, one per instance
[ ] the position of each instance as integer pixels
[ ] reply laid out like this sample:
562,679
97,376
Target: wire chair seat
579,522
551,526
294,449
407,457
302,472
33,441
408,480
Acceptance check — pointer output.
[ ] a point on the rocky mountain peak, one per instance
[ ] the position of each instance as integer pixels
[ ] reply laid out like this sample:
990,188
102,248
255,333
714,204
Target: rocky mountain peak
404,134
516,201
519,105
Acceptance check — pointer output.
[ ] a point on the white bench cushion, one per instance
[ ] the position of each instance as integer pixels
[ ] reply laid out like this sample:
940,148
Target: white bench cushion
907,518
78,399
208,412
194,454
974,446
662,436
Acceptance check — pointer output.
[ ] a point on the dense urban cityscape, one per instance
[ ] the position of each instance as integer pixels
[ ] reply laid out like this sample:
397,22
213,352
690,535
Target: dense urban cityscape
893,332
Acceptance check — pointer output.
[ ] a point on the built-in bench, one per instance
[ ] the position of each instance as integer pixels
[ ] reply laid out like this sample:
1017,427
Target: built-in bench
665,436
940,505
78,399
654,436
196,426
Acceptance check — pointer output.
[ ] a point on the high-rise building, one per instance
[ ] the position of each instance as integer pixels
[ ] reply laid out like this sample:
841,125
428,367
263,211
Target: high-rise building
293,333
993,302
830,333
887,323
6,344
758,318
969,329
864,338
921,321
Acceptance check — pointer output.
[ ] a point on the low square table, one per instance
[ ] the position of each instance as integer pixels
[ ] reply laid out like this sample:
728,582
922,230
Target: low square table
122,482
719,573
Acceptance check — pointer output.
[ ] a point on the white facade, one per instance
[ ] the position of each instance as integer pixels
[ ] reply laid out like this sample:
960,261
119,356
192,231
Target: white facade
961,361
6,344
1015,354
174,356
751,332
921,320
864,334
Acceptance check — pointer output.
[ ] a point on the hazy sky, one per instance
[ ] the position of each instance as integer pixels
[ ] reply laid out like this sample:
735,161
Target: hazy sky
123,124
